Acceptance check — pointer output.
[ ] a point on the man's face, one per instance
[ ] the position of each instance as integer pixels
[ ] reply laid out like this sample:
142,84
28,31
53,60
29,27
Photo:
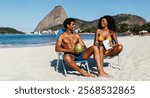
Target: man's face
71,26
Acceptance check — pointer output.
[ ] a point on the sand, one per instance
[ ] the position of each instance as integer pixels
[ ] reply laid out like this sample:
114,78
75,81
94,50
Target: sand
37,63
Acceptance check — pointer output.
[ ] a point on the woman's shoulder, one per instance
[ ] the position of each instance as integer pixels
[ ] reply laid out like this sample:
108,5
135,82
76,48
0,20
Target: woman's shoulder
98,31
112,32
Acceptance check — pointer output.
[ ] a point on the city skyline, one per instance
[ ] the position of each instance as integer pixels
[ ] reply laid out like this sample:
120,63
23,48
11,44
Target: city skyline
26,15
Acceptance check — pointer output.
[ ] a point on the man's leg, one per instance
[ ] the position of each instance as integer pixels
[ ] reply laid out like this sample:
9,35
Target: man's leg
70,61
95,51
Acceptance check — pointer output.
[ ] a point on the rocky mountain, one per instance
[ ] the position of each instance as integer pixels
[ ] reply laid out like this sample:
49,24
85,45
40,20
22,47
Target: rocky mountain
55,17
130,20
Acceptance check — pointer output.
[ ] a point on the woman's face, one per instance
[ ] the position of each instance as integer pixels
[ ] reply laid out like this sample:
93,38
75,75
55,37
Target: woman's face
104,22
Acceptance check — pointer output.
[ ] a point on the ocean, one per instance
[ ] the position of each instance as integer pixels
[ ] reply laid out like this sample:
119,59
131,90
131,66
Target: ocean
11,40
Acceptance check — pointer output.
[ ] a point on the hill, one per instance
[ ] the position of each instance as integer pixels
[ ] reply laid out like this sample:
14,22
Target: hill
122,20
7,30
55,18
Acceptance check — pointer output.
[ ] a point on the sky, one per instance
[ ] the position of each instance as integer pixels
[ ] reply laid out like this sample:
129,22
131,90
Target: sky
25,15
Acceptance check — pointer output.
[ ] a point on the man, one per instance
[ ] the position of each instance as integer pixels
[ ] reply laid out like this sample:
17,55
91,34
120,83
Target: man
67,42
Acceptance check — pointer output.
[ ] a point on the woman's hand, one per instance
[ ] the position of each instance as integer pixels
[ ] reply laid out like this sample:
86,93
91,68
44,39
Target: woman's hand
114,45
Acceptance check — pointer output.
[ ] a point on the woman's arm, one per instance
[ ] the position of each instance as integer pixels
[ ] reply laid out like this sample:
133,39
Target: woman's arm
114,36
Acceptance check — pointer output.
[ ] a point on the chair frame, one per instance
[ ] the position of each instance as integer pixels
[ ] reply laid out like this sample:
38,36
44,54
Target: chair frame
119,62
61,60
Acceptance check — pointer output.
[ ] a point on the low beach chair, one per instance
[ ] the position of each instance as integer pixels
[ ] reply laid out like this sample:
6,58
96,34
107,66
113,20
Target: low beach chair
119,61
60,59
117,65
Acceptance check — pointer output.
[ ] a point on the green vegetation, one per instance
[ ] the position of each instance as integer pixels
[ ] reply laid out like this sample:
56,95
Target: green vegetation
119,18
90,30
7,30
122,27
55,27
135,29
124,23
146,27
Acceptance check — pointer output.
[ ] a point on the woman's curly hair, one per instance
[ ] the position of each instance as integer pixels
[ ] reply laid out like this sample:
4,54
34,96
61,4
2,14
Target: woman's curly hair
111,23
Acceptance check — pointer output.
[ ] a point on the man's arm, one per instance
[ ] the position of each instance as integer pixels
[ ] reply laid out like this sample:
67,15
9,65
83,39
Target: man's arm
58,47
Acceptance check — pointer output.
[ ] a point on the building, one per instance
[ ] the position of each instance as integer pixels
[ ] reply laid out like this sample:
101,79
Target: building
143,32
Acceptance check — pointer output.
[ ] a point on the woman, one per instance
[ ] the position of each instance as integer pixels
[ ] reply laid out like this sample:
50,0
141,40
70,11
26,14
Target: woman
106,31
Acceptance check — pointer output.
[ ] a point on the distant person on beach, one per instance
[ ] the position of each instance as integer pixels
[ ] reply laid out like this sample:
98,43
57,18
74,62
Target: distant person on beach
106,34
67,43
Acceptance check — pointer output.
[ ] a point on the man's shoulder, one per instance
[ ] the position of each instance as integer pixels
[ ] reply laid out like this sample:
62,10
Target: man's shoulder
63,34
76,34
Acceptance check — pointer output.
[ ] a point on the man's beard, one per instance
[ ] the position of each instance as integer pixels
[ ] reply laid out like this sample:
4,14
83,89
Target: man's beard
73,30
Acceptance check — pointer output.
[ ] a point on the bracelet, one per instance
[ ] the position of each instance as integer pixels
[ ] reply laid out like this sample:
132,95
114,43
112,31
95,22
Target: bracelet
96,44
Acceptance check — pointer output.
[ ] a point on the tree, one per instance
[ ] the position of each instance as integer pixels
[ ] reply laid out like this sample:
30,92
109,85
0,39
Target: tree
8,30
90,30
123,27
146,27
136,28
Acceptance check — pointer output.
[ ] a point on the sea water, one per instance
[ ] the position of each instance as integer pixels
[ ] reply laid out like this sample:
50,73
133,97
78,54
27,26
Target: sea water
9,40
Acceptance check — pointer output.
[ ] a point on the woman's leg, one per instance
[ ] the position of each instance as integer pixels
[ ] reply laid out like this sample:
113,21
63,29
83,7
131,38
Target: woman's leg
115,51
95,51
101,49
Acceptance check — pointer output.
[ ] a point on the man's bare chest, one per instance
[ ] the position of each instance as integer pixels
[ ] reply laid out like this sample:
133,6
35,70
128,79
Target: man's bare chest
70,39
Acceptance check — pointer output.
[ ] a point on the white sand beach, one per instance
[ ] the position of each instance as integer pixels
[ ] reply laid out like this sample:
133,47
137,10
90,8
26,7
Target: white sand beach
37,63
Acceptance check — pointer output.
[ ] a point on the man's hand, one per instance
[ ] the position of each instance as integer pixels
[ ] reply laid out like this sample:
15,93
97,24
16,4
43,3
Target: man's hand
77,52
69,50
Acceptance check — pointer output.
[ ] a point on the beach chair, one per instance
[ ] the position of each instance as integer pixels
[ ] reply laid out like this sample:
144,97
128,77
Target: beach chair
119,61
60,59
118,65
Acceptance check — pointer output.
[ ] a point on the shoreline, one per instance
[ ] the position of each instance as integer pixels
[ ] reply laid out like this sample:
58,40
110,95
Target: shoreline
26,45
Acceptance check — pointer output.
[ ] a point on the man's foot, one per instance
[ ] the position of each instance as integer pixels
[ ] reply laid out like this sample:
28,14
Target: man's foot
92,75
89,75
104,75
86,74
